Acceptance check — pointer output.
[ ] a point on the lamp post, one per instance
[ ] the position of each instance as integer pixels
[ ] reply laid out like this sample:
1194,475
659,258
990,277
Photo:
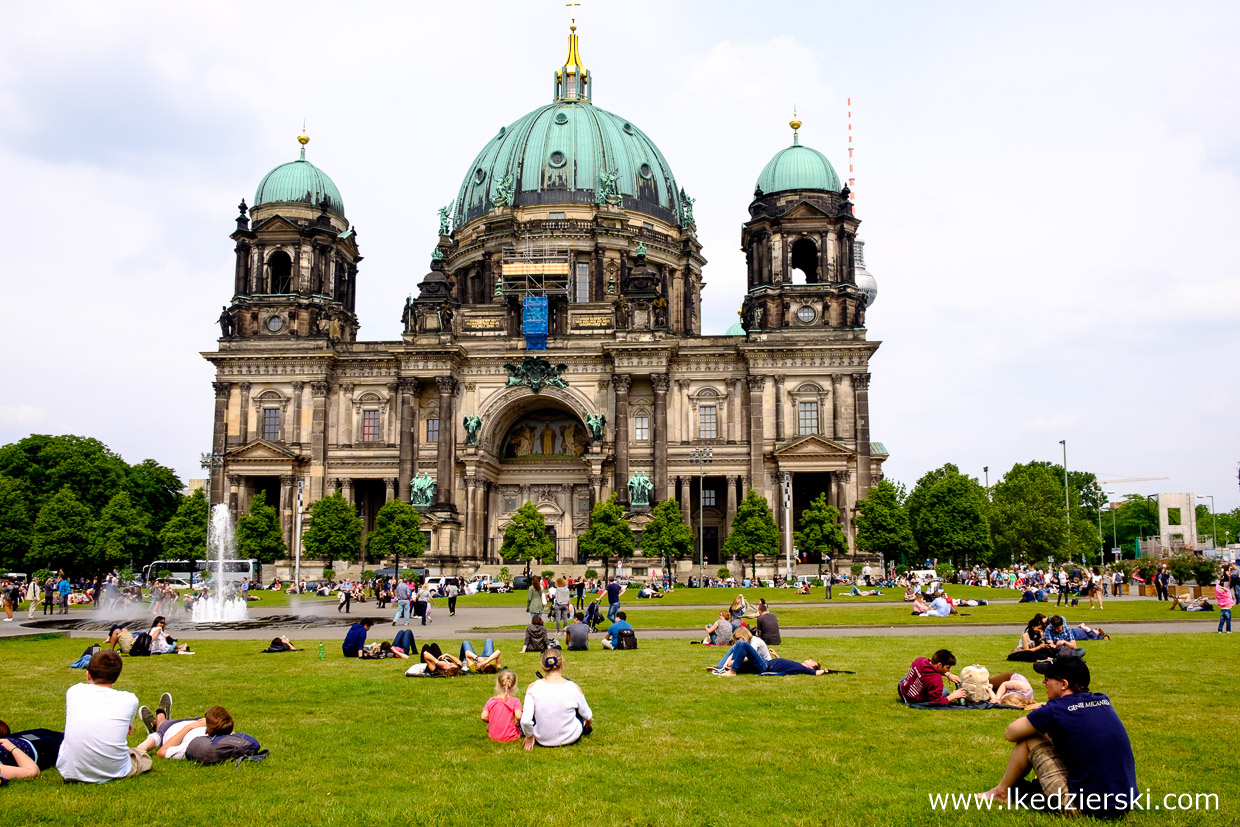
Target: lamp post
1114,534
1214,536
703,456
297,538
787,524
986,471
1067,504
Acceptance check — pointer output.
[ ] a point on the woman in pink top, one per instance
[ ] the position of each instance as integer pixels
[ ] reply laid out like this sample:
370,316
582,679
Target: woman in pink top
1225,602
504,710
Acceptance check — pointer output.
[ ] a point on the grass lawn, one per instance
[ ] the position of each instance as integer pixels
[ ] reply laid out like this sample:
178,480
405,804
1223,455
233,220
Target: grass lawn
357,743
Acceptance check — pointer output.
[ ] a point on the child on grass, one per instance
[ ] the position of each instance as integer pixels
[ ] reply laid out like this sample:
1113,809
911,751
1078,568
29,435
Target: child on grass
504,710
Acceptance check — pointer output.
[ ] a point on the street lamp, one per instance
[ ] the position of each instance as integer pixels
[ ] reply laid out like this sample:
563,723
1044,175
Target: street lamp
1214,536
787,524
703,456
1114,534
297,538
1067,506
986,471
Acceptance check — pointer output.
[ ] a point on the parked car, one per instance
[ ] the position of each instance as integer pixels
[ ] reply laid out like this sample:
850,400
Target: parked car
520,583
177,583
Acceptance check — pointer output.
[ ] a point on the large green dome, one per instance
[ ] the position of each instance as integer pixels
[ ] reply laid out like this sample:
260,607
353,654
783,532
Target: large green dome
298,182
798,168
556,154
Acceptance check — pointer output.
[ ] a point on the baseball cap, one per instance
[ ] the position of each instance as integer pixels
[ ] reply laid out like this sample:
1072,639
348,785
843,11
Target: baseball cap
1072,670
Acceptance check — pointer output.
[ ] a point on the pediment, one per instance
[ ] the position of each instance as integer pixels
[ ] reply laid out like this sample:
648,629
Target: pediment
275,224
812,445
805,210
261,449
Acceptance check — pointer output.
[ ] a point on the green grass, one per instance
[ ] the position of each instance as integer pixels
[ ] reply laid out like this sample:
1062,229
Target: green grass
357,743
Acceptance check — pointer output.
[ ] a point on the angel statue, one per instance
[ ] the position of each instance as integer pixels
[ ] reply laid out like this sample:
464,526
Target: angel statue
445,220
473,424
595,423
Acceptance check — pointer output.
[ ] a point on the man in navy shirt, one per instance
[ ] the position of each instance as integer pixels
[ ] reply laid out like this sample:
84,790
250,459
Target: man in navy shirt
356,638
613,598
1077,745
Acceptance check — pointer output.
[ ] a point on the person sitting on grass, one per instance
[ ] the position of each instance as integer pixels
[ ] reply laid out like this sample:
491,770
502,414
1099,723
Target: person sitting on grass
161,644
1058,634
740,659
577,636
98,720
612,641
920,606
924,681
767,625
502,713
736,612
718,633
535,635
1076,744
939,607
172,737
555,713
488,663
911,593
355,640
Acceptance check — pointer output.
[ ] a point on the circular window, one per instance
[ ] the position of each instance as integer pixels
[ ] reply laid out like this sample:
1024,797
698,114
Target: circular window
502,131
557,159
561,118
645,171
628,127
480,175
806,314
275,324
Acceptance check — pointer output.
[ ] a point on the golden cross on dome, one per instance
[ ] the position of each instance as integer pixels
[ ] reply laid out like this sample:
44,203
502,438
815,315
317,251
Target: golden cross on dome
573,26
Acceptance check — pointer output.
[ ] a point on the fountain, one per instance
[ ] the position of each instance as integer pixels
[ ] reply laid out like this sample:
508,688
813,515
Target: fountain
219,607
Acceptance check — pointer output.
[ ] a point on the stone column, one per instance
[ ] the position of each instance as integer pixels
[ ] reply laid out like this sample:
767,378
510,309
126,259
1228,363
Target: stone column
234,490
471,514
288,502
244,419
344,425
686,501
682,405
219,440
833,492
843,393
596,489
757,437
445,488
779,407
408,436
734,410
389,489
622,382
660,382
847,501
294,431
861,390
391,414
318,439
347,485
733,481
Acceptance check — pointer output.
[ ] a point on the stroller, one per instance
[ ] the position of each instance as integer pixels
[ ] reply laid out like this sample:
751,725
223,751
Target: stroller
594,616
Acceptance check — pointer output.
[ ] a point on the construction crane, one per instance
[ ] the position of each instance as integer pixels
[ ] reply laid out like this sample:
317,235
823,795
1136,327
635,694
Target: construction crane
1119,480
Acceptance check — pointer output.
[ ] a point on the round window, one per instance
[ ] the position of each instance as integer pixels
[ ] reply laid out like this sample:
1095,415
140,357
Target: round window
557,159
806,314
502,131
645,171
275,324
561,118
628,127
480,175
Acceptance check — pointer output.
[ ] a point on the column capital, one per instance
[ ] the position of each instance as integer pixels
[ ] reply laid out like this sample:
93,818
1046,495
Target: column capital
287,479
347,482
318,389
622,381
347,388
390,483
471,480
861,381
446,385
596,480
408,384
245,387
756,383
660,382
222,389
779,379
298,385
234,479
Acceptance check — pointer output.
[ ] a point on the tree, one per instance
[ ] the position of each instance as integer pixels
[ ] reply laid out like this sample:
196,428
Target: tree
753,531
259,535
916,501
15,518
1085,495
666,535
1027,520
397,534
526,537
882,524
335,531
609,533
156,491
951,523
62,534
49,463
184,537
820,531
121,532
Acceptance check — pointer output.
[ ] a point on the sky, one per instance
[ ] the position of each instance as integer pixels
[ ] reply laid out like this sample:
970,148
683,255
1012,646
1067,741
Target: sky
1048,195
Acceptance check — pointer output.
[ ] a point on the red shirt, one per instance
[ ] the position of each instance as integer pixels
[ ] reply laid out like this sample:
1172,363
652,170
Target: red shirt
501,718
923,684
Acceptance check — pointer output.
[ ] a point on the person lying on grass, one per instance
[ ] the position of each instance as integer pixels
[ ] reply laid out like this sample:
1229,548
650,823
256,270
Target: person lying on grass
1076,744
435,662
380,651
555,713
17,763
863,592
924,681
744,658
1011,689
488,663
1189,604
172,737
1083,632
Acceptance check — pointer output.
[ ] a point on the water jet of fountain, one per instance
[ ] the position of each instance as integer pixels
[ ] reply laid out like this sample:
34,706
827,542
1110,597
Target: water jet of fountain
219,607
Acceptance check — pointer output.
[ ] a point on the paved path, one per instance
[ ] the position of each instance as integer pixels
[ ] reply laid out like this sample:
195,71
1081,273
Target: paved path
469,619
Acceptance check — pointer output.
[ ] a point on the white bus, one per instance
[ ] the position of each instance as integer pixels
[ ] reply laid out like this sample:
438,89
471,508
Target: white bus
197,571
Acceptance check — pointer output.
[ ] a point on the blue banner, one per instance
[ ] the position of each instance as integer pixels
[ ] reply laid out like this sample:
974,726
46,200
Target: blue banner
534,319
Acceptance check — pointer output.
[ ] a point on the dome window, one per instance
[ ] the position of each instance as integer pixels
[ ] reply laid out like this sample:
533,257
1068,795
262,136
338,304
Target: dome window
628,128
645,171
806,314
557,159
561,118
480,175
502,131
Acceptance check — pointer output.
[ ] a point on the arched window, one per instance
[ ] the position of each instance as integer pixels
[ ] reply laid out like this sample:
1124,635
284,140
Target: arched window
281,267
805,259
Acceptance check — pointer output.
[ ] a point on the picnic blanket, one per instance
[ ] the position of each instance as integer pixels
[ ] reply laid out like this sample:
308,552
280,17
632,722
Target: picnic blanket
982,705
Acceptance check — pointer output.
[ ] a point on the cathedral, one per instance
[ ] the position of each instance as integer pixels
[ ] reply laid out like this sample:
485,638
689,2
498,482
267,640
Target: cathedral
553,353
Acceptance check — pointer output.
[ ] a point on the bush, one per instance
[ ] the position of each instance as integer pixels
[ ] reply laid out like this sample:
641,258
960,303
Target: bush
817,581
1182,567
547,574
901,569
408,574
42,574
945,571
590,574
367,575
855,568
1205,572
163,574
1146,568
723,573
329,574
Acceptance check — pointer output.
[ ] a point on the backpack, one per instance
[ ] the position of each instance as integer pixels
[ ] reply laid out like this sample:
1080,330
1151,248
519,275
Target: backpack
235,747
141,646
975,680
626,639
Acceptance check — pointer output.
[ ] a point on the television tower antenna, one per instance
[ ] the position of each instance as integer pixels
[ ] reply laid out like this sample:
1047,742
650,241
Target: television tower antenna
852,180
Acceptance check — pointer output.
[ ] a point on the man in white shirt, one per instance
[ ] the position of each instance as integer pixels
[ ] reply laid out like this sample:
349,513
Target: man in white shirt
98,720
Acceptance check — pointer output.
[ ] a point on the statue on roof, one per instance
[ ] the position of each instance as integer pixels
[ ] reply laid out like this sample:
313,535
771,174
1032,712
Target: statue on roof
226,323
686,210
473,424
608,187
505,189
445,220
595,422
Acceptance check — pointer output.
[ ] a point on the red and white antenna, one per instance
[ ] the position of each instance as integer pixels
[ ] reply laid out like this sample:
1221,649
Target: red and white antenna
852,181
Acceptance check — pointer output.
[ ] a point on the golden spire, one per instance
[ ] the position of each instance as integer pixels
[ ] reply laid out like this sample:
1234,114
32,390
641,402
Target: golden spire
574,56
303,139
795,123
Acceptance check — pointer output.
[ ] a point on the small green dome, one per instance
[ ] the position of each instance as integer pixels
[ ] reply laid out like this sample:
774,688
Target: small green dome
298,182
555,155
735,330
798,168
